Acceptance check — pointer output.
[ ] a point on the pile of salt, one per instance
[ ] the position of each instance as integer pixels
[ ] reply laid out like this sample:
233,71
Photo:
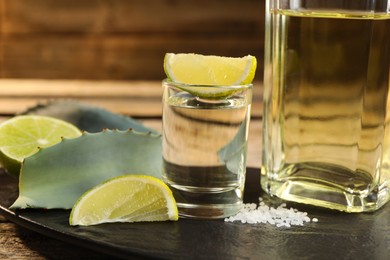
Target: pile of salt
280,216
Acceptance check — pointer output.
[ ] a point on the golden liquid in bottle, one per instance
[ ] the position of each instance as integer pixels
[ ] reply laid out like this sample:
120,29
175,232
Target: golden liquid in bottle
326,132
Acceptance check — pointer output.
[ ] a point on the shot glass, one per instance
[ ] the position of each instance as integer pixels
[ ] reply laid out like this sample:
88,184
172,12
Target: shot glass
326,134
205,133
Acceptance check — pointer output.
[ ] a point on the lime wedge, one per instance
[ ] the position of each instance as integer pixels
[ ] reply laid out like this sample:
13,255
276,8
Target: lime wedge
211,70
127,198
22,136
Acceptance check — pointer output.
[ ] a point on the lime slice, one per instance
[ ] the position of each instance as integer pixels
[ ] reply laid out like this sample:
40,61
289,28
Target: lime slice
210,70
128,198
22,136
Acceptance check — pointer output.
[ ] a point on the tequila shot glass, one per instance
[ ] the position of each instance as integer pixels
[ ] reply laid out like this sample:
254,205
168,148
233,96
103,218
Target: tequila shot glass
205,134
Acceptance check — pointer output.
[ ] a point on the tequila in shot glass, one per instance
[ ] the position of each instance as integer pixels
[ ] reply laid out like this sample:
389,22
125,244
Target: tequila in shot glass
205,146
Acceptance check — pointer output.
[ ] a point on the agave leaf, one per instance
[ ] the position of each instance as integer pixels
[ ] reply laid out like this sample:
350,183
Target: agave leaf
86,117
57,176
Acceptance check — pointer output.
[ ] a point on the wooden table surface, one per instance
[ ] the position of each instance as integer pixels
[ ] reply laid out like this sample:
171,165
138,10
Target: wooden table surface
139,99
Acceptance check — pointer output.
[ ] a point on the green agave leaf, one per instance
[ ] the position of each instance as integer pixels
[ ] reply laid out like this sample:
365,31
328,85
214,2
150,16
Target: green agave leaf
57,176
87,117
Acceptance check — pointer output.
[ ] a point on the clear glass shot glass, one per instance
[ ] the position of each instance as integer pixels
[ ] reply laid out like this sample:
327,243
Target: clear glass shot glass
205,134
326,132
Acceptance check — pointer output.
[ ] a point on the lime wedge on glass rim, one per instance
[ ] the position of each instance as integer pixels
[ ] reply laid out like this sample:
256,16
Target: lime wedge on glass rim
209,76
22,136
127,198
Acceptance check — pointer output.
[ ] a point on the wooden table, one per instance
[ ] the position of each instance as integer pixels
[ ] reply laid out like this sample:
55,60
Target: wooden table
139,99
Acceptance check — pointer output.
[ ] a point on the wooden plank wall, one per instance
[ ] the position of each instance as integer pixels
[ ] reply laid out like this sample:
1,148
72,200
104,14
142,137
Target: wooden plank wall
121,39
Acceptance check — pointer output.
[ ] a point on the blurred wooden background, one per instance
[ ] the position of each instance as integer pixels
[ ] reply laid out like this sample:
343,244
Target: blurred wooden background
121,39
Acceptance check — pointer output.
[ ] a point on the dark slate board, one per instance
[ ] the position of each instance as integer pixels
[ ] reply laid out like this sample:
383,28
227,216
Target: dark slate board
337,235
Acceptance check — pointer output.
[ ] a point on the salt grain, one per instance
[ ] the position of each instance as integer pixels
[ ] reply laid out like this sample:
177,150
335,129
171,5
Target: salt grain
280,216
